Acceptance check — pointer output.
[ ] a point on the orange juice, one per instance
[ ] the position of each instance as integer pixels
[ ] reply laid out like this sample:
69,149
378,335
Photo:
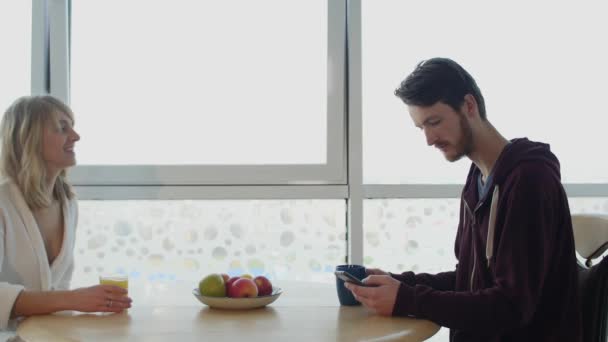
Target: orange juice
122,281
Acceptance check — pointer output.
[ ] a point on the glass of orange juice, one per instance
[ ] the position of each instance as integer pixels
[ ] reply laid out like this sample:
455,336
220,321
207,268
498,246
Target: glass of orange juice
115,279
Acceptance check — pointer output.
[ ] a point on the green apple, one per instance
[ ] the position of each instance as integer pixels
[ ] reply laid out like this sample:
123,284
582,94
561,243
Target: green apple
212,286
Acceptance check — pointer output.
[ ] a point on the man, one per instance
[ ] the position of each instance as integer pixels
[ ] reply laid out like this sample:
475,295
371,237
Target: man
516,277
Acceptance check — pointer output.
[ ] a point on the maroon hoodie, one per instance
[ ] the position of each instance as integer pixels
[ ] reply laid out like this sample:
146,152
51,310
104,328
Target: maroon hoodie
516,277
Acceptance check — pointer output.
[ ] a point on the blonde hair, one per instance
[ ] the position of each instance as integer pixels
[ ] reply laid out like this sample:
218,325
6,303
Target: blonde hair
21,132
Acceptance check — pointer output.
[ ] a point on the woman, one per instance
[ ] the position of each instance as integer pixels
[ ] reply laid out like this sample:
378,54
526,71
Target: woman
38,214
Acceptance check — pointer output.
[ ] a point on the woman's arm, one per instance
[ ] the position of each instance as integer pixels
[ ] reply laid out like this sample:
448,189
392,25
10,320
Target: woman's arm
99,298
37,303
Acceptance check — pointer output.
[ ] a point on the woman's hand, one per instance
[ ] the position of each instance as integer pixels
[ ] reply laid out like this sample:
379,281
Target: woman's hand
99,298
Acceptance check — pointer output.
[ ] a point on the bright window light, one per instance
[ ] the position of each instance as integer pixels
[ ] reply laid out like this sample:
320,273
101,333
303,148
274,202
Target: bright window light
200,82
542,76
16,42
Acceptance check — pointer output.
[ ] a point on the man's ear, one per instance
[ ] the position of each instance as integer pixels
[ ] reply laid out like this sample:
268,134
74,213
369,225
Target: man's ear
469,106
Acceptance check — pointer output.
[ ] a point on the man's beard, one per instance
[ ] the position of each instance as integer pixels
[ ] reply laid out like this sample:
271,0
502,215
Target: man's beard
465,144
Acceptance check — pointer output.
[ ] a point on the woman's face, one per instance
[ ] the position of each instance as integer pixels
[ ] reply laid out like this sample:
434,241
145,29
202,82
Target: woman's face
58,142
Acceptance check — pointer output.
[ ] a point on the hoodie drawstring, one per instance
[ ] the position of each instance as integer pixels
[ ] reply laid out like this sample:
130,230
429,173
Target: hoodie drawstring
491,224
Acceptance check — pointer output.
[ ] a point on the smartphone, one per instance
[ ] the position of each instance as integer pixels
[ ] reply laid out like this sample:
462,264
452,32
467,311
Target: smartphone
351,278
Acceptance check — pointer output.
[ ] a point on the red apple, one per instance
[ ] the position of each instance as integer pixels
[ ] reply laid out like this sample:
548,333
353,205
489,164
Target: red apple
243,288
264,285
229,283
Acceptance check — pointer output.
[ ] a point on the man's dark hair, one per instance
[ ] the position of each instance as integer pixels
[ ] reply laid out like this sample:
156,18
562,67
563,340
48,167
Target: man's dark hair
440,79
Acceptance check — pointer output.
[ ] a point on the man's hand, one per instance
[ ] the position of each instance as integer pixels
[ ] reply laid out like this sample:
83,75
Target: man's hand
381,298
375,271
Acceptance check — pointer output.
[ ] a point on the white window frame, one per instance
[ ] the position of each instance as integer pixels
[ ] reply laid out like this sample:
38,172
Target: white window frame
333,171
340,178
39,59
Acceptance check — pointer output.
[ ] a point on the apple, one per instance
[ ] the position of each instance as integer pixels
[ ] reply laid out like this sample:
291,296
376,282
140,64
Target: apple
230,281
212,286
264,285
242,288
226,277
248,276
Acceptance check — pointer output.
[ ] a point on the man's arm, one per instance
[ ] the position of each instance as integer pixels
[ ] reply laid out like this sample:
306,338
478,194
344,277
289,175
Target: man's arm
444,281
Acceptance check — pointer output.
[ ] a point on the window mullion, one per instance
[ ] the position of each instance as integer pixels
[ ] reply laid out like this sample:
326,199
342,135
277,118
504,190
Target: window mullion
355,135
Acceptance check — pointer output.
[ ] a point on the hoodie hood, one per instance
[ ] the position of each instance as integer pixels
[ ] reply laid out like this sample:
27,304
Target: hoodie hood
519,151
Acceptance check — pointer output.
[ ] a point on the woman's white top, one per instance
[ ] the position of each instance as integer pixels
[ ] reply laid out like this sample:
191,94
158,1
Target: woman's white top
23,259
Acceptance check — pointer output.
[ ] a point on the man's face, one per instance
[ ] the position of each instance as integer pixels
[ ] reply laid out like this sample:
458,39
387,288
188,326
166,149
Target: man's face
446,129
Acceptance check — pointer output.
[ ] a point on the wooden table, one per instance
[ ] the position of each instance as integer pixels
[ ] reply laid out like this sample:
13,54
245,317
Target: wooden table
169,312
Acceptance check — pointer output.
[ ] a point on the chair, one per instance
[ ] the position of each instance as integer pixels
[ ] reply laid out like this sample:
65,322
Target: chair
591,241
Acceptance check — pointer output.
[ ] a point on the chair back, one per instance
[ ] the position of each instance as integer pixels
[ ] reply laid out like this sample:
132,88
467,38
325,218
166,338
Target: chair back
591,241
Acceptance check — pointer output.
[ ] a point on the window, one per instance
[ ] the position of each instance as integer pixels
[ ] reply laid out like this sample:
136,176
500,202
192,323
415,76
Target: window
16,42
185,240
541,78
200,92
411,234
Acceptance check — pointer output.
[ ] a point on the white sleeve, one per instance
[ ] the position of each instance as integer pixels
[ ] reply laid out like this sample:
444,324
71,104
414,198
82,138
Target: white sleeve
8,292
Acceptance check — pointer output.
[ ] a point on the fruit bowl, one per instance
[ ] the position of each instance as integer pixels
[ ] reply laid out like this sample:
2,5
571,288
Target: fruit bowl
238,303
